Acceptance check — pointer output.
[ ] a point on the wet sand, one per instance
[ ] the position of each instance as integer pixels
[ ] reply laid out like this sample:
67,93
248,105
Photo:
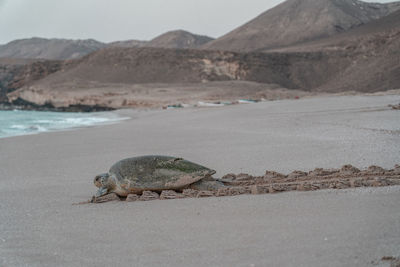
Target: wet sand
41,176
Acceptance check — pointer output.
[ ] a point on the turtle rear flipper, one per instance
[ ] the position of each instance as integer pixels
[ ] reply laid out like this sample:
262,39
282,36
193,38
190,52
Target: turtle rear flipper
207,185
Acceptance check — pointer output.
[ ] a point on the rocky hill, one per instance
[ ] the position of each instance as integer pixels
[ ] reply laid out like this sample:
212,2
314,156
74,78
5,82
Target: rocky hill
56,49
128,74
297,21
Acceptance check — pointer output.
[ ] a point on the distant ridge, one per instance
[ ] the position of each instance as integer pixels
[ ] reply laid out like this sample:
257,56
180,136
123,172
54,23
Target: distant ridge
179,39
63,49
173,39
297,21
56,49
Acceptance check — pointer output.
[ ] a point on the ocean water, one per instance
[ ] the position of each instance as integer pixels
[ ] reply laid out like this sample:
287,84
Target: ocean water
18,122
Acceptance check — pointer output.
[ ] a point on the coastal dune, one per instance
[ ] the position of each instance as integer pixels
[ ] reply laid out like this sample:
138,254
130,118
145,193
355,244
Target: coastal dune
42,177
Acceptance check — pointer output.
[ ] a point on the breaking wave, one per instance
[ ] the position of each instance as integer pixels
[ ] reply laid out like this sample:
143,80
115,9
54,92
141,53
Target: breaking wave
17,122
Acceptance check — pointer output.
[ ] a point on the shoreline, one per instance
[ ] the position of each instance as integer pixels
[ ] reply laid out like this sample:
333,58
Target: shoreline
21,104
128,113
84,120
28,106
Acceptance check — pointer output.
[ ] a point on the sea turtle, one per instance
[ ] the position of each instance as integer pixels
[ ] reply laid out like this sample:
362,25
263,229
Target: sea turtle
154,173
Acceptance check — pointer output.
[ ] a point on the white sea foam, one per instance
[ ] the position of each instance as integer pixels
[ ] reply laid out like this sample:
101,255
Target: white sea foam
17,122
17,126
207,104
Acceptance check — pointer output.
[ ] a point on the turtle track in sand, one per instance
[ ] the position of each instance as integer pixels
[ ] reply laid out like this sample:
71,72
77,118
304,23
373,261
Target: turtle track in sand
272,182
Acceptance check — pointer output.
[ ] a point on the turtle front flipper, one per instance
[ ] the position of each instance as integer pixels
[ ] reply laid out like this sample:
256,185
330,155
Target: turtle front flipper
101,192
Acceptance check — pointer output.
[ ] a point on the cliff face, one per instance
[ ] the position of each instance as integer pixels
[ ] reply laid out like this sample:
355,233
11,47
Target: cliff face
15,74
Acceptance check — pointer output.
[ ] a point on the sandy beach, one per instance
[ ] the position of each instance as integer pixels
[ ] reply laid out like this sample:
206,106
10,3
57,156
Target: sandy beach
42,176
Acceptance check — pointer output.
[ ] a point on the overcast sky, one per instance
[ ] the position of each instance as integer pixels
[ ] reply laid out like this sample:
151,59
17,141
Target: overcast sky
111,20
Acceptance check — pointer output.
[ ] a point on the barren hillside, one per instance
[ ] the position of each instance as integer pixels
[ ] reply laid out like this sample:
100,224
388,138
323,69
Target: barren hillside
374,48
296,21
160,65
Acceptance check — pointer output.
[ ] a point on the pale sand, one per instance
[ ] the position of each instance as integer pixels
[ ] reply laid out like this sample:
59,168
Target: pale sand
41,176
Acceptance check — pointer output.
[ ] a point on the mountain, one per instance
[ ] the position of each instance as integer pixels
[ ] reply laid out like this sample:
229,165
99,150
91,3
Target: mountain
116,70
364,59
179,39
41,48
297,21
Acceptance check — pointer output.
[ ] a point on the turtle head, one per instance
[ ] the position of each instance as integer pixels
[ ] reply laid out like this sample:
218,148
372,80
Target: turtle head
105,182
101,180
